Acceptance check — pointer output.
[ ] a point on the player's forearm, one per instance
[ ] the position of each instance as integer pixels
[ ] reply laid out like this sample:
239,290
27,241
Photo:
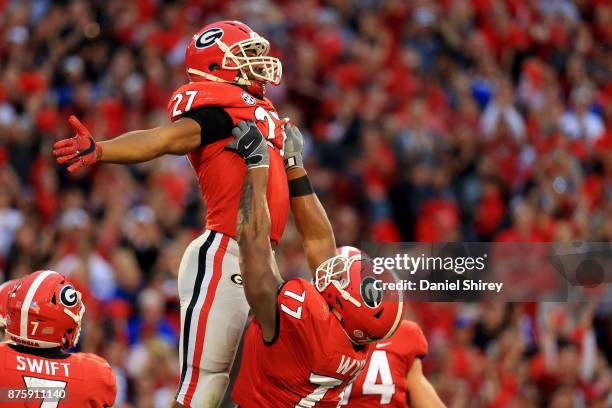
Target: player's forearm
313,225
133,147
180,137
253,214
425,396
422,393
256,259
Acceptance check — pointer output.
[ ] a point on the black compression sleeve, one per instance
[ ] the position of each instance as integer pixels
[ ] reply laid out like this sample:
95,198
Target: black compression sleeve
215,123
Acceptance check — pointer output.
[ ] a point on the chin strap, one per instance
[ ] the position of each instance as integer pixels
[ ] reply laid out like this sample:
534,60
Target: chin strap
254,87
210,77
345,295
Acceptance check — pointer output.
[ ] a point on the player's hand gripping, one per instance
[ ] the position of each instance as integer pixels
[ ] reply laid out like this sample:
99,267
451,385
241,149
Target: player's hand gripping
250,144
80,150
294,146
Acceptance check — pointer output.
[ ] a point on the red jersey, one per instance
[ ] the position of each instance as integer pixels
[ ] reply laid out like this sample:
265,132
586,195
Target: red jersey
220,172
383,381
83,379
309,363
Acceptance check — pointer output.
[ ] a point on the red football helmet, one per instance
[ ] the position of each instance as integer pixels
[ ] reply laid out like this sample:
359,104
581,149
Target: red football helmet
5,288
366,312
229,51
44,310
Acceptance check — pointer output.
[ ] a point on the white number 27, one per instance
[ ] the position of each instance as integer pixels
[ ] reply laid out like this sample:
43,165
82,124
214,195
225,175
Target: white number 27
178,98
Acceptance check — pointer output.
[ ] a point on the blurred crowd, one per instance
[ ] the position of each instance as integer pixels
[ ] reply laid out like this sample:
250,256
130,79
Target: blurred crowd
449,120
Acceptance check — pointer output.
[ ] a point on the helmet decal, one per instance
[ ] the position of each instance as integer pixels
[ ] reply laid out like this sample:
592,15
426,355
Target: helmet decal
69,296
249,99
371,296
208,38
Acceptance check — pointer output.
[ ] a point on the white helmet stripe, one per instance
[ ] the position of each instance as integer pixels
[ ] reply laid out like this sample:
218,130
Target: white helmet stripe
398,318
25,308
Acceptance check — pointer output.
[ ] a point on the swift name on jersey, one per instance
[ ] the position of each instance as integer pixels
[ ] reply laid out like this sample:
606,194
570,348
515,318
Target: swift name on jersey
42,366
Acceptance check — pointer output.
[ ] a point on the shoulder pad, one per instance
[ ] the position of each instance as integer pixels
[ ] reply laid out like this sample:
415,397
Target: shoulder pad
412,334
195,95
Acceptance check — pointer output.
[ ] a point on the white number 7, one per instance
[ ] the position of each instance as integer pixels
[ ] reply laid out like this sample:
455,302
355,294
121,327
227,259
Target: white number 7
324,384
262,114
296,314
51,388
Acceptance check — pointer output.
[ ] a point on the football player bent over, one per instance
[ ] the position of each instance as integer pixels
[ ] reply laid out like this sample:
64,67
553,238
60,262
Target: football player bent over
394,374
307,341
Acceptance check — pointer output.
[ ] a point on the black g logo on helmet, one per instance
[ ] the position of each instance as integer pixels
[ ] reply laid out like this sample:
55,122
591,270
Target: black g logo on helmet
69,296
208,37
371,296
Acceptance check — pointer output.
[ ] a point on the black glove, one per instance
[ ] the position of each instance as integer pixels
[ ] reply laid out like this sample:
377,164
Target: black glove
250,144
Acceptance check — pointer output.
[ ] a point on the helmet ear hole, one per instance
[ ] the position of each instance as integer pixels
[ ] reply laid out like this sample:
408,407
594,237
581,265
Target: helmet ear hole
214,67
54,300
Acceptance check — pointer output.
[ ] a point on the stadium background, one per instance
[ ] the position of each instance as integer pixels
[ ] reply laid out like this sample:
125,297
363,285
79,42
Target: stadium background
425,120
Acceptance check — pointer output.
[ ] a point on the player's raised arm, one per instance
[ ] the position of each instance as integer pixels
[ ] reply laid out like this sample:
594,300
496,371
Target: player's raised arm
180,137
257,264
310,216
422,393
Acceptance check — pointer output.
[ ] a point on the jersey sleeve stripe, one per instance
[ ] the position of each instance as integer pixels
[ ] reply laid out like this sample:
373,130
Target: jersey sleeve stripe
187,340
208,296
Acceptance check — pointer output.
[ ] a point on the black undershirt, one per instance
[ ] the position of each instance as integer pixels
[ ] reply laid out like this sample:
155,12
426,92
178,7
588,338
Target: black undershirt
215,123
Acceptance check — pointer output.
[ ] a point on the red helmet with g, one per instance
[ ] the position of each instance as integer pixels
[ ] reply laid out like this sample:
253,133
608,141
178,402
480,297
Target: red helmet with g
44,310
355,294
230,51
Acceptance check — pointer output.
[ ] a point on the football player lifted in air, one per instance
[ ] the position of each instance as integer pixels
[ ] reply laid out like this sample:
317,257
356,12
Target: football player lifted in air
393,375
228,69
307,341
43,319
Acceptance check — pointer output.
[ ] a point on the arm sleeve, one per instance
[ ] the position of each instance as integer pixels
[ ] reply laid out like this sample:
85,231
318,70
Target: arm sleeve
215,123
109,384
292,310
414,337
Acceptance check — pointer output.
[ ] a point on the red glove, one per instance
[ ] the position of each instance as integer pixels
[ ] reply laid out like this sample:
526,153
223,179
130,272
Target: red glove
79,151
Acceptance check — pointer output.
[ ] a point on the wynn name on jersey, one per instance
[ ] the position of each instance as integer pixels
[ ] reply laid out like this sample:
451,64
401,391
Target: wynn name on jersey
351,365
